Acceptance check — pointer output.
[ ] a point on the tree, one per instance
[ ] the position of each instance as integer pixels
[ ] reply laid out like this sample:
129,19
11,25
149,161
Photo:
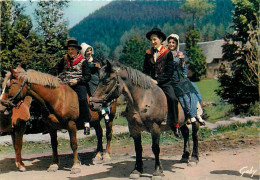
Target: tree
242,50
53,28
15,40
101,51
133,52
197,61
197,8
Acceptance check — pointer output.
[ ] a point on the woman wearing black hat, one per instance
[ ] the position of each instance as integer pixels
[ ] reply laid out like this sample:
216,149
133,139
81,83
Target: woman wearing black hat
73,69
158,64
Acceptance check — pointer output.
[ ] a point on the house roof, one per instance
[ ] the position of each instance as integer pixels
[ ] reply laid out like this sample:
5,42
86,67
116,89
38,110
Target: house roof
211,49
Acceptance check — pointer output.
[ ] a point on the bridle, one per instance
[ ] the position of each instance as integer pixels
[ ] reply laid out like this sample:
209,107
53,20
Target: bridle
10,101
106,98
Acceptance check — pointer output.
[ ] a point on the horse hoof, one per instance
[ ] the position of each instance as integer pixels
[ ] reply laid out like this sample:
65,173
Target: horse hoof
194,160
135,174
75,168
20,166
53,168
22,169
98,159
106,157
184,160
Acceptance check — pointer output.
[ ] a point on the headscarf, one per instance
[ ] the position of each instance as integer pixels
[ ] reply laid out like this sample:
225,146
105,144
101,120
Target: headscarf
174,36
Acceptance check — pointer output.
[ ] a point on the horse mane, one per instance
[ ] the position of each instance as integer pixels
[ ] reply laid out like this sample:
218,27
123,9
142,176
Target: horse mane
40,78
7,76
138,78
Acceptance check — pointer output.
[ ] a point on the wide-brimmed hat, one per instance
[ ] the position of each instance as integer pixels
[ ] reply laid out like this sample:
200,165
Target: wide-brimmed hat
84,47
156,31
72,43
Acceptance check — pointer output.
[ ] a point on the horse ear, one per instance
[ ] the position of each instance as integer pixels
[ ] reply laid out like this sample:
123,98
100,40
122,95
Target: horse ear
109,66
13,72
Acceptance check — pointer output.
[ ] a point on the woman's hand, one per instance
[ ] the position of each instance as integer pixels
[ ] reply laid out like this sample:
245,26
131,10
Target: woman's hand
73,82
97,65
154,81
180,54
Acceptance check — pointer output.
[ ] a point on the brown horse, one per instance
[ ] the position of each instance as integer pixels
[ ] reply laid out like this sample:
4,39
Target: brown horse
60,105
146,111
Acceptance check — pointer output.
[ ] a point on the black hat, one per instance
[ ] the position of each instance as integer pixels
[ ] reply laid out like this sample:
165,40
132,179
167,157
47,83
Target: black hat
73,43
156,31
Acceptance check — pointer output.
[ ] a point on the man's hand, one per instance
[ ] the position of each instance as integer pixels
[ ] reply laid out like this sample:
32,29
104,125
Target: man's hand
73,82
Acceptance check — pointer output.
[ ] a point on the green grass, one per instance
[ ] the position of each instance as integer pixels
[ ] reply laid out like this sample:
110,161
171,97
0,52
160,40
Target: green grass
207,88
218,112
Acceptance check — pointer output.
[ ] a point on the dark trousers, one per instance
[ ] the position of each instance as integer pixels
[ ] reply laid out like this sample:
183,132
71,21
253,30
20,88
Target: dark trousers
172,102
84,113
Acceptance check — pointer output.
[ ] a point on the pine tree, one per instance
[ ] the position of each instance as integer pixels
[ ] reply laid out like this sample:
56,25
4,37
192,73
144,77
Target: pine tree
242,50
53,28
197,61
133,52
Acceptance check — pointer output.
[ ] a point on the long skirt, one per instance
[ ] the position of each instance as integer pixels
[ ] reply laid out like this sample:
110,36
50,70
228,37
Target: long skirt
189,104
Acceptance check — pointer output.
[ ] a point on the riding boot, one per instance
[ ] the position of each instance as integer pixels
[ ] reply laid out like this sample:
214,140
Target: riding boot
86,128
175,129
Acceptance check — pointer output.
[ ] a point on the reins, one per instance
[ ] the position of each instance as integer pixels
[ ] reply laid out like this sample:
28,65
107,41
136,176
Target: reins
105,99
10,101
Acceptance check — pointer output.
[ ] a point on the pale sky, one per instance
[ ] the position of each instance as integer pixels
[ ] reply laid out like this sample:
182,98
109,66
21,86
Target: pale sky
77,10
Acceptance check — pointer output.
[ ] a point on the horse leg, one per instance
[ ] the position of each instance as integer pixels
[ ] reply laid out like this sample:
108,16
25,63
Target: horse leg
138,170
109,134
72,128
17,138
186,149
156,151
99,134
54,145
195,138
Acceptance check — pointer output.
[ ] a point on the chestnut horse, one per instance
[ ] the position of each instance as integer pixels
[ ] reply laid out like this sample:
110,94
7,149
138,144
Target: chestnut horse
146,111
60,106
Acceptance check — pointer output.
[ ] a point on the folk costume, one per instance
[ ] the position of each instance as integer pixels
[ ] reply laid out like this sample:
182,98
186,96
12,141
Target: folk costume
76,68
187,94
158,64
94,71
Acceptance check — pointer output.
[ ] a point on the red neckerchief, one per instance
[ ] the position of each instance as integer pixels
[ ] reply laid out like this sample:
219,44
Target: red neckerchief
162,52
76,60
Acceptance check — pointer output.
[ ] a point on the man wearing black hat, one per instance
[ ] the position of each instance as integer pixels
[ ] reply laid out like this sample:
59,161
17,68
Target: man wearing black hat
158,64
73,69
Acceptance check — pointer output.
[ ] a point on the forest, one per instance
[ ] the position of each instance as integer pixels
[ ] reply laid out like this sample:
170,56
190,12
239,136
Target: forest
119,20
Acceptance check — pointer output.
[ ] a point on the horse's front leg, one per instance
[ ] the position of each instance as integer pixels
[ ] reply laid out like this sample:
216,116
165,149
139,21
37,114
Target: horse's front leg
109,134
156,151
72,128
138,170
54,145
17,138
195,138
186,149
99,134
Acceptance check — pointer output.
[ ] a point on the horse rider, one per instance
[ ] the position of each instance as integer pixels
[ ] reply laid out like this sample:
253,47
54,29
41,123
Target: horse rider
94,65
158,64
185,91
73,69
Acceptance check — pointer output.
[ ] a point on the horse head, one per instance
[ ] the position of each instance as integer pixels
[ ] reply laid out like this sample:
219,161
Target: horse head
109,87
13,105
12,89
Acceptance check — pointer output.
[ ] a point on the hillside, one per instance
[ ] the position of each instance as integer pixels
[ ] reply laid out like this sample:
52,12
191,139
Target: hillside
109,23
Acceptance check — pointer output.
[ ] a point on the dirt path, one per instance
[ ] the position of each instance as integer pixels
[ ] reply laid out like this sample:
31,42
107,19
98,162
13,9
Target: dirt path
224,158
228,164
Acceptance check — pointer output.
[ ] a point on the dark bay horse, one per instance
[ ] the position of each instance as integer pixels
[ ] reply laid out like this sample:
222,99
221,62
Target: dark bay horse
146,111
60,105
